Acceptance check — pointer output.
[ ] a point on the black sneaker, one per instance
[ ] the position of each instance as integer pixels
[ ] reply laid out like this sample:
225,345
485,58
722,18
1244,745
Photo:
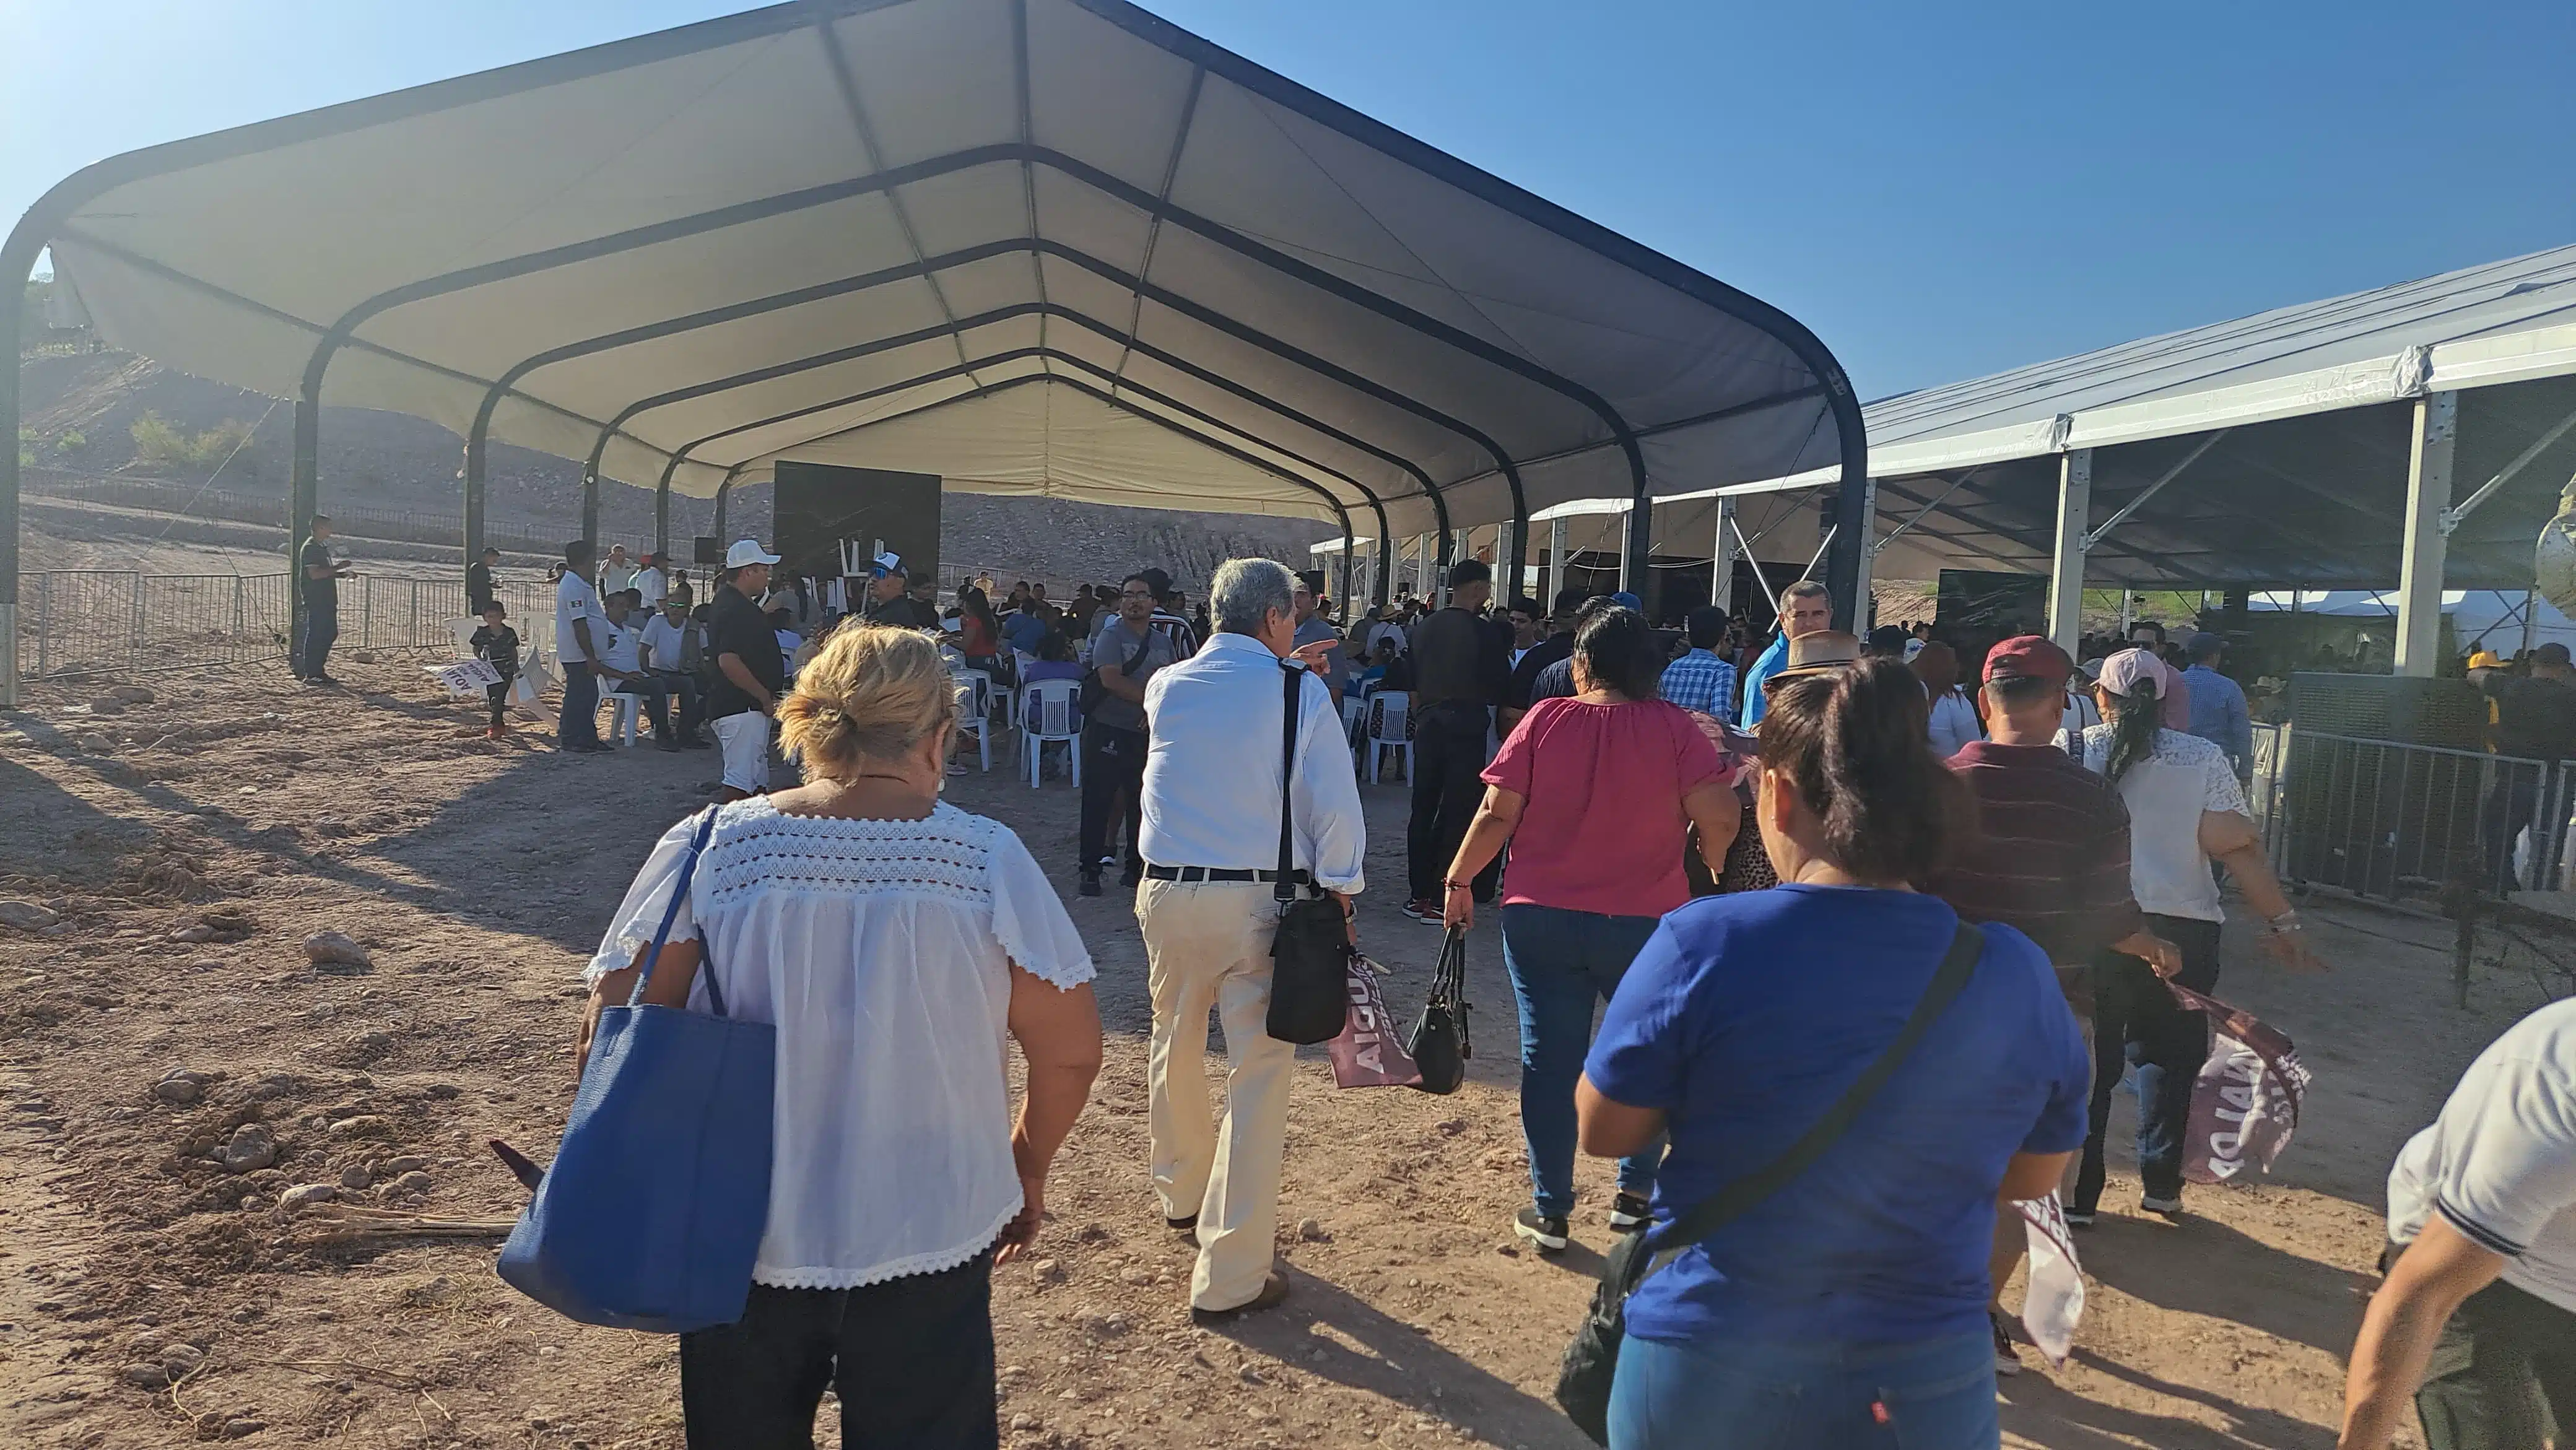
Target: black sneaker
1090,884
1425,911
2079,1218
1133,874
1546,1232
2007,1358
1628,1212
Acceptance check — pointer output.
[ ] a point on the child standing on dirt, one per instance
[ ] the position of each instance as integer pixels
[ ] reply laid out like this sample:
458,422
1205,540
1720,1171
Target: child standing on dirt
497,644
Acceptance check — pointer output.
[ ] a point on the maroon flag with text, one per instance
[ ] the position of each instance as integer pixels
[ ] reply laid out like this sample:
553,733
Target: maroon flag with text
1370,1050
2245,1104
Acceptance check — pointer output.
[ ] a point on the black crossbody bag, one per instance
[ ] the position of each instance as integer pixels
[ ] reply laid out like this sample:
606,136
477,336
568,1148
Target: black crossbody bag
1310,993
1583,1381
1089,694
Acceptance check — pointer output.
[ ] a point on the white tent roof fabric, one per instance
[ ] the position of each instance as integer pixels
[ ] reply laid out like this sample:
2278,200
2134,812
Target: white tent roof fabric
2309,484
898,234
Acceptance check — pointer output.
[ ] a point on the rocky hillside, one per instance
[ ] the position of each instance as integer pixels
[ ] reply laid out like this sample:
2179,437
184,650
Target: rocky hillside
81,409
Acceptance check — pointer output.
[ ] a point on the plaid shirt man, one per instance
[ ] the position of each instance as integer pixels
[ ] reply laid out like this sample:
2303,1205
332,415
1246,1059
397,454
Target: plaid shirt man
1703,682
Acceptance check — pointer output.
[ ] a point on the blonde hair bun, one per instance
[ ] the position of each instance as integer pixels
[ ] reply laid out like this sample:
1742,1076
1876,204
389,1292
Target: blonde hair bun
870,693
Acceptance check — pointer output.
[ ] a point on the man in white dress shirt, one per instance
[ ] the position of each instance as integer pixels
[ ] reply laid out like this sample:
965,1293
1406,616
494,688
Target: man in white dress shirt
1211,833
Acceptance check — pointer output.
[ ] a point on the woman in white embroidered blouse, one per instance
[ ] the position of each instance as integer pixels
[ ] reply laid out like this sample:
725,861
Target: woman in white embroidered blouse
894,940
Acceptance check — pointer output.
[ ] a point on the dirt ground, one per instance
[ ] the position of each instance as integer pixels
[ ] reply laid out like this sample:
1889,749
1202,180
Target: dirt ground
477,876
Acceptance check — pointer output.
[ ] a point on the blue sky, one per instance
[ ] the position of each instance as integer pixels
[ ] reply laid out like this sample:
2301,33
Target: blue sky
1939,190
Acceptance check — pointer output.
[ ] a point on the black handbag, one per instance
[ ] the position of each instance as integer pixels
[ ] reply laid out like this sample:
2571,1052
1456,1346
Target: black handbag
1310,994
1583,1380
1441,1044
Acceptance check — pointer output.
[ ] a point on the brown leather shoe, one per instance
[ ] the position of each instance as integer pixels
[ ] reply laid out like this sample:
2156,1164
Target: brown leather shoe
1274,1292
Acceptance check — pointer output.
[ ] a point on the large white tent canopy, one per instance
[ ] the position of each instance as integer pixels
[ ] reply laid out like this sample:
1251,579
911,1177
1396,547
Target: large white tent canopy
1044,247
2271,450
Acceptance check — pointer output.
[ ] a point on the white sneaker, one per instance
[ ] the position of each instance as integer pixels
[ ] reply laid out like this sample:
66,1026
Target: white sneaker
2153,1204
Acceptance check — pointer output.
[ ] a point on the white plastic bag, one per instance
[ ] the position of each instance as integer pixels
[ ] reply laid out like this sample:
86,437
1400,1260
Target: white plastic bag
2053,1301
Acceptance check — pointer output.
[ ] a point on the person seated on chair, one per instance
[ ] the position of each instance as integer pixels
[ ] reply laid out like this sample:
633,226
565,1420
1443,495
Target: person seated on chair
1054,661
621,663
675,654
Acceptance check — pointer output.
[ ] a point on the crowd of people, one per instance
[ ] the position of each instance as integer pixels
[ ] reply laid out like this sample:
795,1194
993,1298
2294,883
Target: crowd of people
1658,818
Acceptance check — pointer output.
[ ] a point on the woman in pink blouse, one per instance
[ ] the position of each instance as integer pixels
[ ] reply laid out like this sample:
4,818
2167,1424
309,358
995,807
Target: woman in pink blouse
1596,795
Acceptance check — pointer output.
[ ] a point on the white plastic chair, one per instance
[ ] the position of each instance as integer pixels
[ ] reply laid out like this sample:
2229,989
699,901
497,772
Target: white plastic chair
975,710
462,631
1386,731
623,711
1050,711
1020,661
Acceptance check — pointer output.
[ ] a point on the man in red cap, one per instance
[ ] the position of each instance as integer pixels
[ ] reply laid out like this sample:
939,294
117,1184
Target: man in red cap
2051,859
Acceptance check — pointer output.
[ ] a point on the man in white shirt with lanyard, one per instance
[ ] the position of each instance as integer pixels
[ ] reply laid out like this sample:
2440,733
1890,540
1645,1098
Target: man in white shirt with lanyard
1207,907
2477,1319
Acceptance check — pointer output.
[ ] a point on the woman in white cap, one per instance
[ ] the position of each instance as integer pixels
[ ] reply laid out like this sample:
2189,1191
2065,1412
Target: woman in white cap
2185,810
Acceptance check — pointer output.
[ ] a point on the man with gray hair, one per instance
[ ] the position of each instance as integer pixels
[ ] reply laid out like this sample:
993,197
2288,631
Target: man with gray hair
1208,907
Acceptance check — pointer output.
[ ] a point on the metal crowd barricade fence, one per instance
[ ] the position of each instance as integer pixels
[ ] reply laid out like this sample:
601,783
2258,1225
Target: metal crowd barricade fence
83,623
2389,819
74,623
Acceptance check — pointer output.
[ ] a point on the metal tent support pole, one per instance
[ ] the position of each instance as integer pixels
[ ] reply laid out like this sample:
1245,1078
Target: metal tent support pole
304,501
590,508
1865,605
662,520
2428,497
1628,549
2066,560
473,477
1342,595
1721,559
1846,558
1511,554
1553,581
2128,611
17,262
1636,565
2530,619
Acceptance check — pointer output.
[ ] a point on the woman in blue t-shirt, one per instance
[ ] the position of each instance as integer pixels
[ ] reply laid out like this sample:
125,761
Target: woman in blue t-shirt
1850,1307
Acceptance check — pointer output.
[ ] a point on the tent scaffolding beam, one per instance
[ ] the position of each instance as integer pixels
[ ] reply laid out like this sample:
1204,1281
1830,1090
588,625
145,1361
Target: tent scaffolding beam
970,369
2066,562
1375,322
2428,497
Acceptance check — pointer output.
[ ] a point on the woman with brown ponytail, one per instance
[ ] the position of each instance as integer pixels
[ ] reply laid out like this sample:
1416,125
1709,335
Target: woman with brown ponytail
896,942
1847,1308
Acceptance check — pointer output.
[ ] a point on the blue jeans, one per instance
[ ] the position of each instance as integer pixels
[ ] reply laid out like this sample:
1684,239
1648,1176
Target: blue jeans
1561,961
1757,1394
2137,1024
579,724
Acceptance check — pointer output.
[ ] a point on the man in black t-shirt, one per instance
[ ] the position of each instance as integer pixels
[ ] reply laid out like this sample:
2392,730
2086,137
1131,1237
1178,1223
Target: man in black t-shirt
750,672
479,589
2535,719
321,622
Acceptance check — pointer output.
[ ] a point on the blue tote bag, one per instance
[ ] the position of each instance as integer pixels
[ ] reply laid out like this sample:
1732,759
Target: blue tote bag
651,1214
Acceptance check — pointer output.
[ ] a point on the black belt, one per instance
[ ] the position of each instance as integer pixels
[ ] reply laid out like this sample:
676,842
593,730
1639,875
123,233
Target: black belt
1218,873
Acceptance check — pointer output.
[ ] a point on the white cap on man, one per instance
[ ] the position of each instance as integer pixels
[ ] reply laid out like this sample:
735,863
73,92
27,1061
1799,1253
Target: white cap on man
747,552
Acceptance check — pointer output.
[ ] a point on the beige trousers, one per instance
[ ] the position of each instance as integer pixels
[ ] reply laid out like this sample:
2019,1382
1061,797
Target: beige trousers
1208,944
